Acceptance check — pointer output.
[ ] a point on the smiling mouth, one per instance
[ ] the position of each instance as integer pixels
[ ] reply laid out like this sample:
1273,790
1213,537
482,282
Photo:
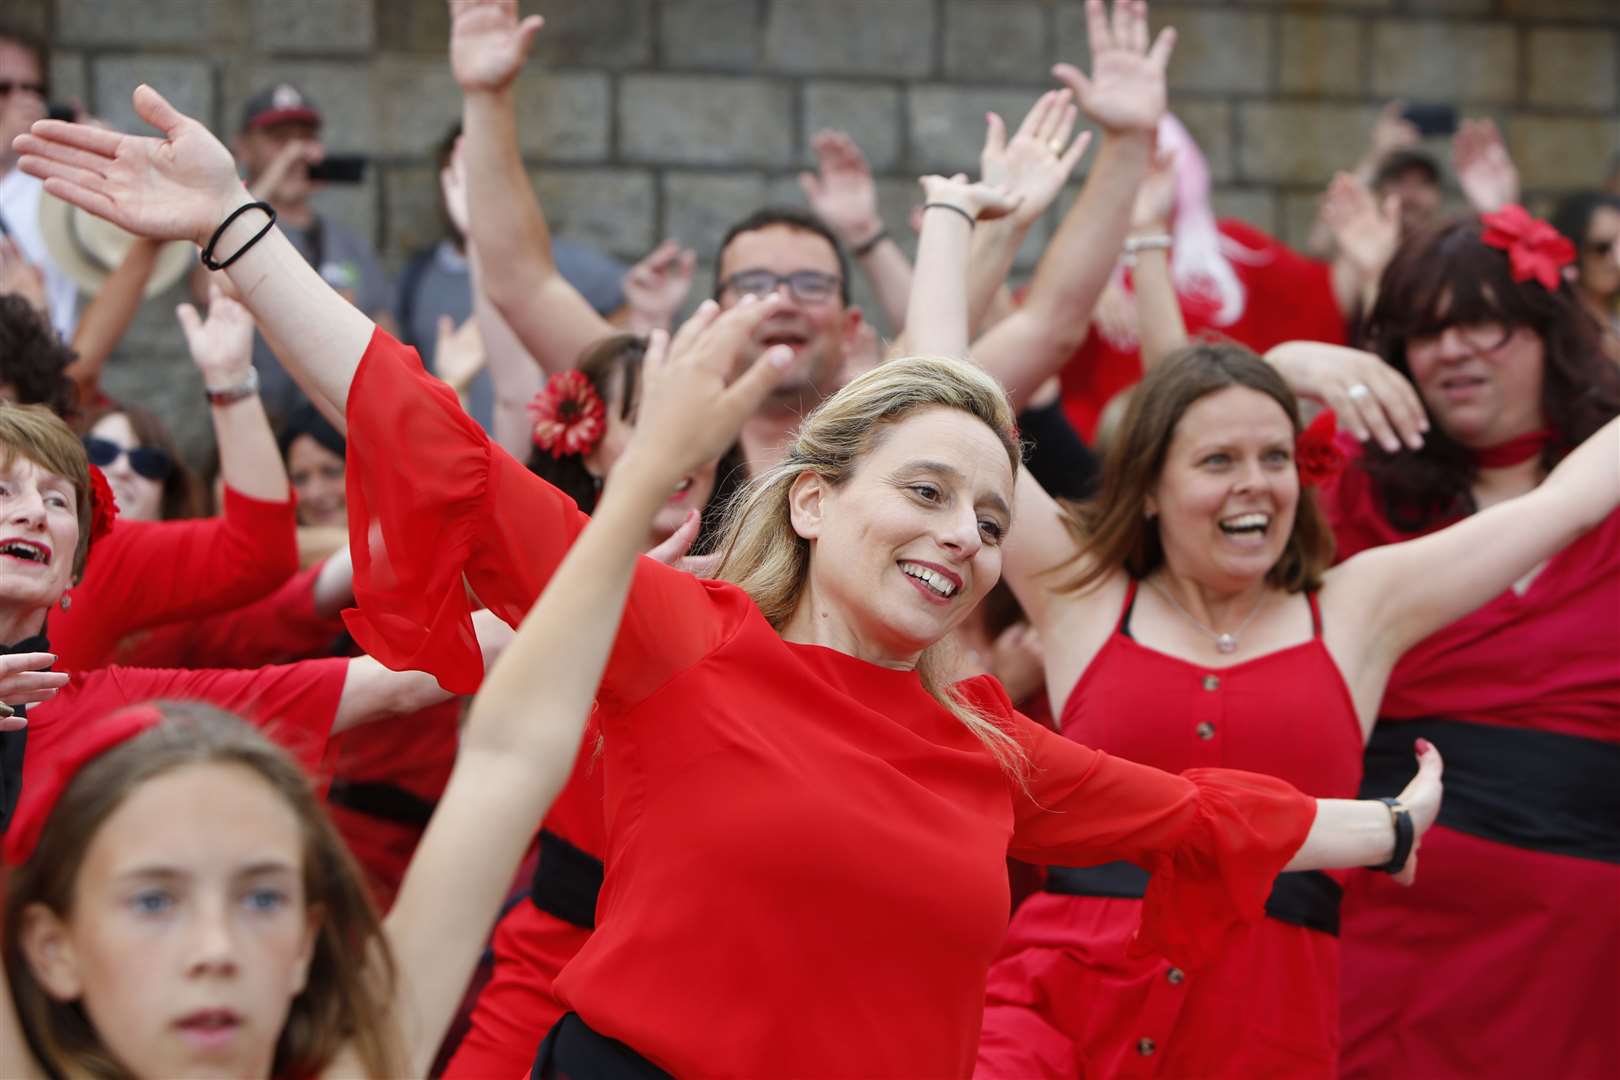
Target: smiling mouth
26,550
1253,524
932,580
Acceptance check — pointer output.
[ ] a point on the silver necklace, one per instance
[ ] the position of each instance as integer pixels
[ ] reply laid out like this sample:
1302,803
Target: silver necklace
1224,643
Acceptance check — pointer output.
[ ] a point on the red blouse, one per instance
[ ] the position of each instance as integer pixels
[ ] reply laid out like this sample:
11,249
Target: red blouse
1289,297
146,573
848,833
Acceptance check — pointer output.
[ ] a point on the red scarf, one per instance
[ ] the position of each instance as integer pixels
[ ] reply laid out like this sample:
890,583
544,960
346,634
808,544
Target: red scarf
1514,451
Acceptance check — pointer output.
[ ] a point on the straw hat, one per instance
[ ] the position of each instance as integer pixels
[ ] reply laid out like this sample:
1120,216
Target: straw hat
88,249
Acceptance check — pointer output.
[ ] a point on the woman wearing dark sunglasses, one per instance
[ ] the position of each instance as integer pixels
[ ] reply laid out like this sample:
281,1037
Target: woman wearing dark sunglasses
1591,221
132,446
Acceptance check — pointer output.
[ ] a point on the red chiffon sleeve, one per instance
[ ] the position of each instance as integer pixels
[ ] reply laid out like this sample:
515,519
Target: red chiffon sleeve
441,519
1214,840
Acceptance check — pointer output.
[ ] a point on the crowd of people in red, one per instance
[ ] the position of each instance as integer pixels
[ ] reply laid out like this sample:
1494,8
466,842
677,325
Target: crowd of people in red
1058,689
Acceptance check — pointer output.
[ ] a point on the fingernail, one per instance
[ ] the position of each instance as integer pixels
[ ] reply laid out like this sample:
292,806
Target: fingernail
748,298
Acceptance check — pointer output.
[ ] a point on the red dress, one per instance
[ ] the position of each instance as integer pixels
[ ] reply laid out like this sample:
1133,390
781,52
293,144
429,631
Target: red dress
146,573
1501,960
1288,297
847,833
1066,999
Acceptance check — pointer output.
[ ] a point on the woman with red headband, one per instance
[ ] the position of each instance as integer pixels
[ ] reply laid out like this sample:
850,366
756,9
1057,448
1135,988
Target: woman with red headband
1514,920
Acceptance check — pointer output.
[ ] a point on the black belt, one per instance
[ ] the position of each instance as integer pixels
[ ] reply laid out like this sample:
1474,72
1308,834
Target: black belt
1530,789
389,802
1307,898
572,1051
566,881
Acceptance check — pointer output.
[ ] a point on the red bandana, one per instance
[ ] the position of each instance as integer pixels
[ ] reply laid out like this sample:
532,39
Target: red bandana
103,507
85,740
568,415
1319,460
1514,451
1535,249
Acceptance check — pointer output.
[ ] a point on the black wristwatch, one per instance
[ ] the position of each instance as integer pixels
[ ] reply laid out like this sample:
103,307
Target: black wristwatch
1401,818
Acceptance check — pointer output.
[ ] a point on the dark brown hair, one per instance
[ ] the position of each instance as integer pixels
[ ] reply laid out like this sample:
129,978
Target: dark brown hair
33,359
1449,277
44,438
180,496
1113,531
346,997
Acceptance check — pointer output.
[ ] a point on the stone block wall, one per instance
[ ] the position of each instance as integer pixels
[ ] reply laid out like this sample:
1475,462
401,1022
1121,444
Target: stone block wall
653,118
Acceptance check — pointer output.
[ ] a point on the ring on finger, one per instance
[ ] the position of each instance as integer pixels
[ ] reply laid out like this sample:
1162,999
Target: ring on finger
1359,391
1056,145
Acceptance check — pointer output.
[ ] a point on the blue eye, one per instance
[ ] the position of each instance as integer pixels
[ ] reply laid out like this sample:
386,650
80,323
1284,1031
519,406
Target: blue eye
151,902
266,900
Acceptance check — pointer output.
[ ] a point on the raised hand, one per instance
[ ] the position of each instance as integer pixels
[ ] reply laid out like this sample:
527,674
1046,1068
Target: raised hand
1364,231
691,409
656,287
841,192
222,344
1125,92
1391,131
1034,164
489,43
178,187
977,200
1156,197
1484,168
459,354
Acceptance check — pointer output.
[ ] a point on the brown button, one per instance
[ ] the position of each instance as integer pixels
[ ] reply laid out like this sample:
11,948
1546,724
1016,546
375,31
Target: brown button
1176,976
1212,682
1206,730
1145,1046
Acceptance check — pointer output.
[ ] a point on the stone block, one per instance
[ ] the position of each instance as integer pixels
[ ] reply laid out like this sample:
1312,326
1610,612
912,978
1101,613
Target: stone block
30,15
1254,206
1321,54
947,123
706,120
1602,10
894,38
564,115
312,26
998,40
1299,210
1210,124
1562,152
614,209
158,22
341,91
357,206
1573,68
188,84
1449,7
869,113
70,77
596,33
1300,144
723,35
698,208
1444,60
1215,49
413,26
414,102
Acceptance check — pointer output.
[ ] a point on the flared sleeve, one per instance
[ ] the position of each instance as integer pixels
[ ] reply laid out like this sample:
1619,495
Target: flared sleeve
1213,840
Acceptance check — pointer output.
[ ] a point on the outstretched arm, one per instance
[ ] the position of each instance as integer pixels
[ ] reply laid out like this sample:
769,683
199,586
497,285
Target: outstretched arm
1125,97
524,730
488,45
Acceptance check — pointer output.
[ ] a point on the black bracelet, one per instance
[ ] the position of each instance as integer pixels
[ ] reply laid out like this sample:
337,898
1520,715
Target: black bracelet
867,247
1404,835
208,259
971,220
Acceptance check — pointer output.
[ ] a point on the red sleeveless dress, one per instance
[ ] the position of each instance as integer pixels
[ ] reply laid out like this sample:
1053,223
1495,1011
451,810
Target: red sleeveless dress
1065,999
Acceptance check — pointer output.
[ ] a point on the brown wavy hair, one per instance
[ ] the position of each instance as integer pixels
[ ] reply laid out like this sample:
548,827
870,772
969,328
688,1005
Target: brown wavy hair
1450,277
1112,530
351,976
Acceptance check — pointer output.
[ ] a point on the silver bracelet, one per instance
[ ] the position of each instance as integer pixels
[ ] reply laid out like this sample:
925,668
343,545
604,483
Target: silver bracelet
1156,242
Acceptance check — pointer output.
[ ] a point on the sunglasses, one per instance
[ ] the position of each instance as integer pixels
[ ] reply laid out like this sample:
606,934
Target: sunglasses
147,461
9,85
807,286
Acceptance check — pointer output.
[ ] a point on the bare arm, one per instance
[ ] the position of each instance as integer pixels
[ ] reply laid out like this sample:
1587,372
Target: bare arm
1361,832
107,316
1160,325
937,314
372,692
488,45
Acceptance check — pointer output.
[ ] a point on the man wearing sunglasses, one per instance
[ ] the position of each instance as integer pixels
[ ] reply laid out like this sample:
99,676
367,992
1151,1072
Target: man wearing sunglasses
23,92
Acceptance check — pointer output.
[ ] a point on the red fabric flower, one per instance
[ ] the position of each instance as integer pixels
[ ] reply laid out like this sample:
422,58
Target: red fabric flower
103,506
1320,461
1535,249
568,415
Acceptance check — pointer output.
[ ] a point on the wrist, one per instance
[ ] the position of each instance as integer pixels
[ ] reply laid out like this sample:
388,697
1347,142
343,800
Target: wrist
959,209
861,233
229,202
222,390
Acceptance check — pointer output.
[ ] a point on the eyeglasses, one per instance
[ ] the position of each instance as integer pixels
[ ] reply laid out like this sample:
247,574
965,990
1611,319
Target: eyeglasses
147,461
8,85
807,286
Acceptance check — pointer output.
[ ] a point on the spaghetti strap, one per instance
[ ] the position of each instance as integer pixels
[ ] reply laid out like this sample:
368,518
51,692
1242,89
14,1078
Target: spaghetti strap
1130,606
1316,613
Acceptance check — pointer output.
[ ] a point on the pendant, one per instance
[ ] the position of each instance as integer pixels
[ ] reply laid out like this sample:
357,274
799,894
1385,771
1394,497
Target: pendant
1226,643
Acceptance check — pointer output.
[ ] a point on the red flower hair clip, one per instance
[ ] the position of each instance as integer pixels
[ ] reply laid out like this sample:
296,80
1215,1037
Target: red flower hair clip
103,506
569,417
1535,249
1318,457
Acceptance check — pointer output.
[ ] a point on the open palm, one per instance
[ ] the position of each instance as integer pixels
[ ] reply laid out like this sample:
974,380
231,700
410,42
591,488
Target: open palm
488,43
178,187
1125,91
1034,164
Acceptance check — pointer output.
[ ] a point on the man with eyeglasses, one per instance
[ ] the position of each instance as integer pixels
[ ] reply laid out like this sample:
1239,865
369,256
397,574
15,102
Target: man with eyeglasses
23,92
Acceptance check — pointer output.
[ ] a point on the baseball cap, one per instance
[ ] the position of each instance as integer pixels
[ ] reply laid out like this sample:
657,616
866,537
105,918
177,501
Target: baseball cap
279,104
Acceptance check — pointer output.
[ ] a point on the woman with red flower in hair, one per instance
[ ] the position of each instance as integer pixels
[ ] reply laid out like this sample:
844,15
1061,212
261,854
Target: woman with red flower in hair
1513,924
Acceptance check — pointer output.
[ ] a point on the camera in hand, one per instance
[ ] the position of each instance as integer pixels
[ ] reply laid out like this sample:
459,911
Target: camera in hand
339,169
